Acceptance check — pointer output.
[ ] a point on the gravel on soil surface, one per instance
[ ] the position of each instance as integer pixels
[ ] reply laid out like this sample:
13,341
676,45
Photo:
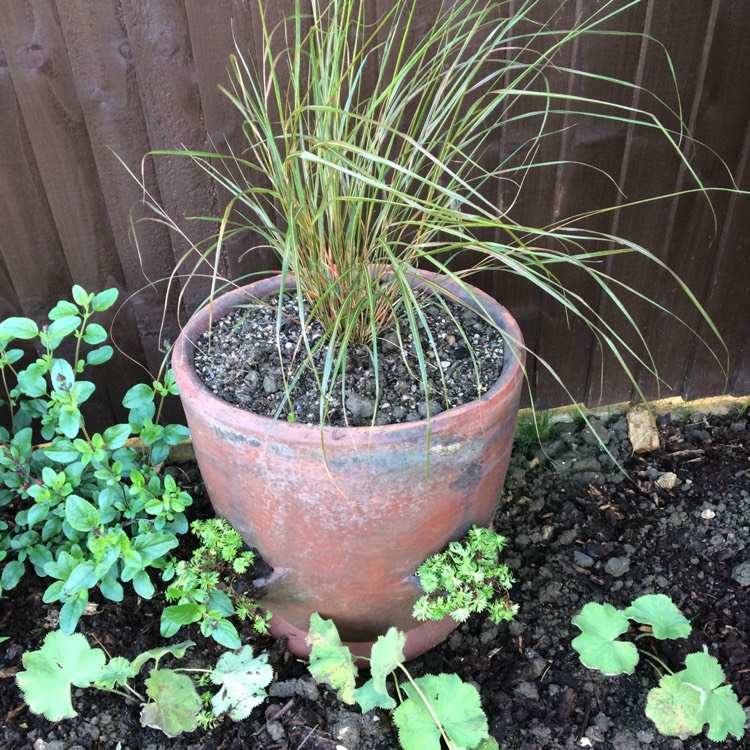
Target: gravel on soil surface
579,531
247,364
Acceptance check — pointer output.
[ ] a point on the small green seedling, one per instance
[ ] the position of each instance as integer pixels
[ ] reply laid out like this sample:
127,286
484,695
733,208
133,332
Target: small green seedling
430,708
171,702
466,578
685,701
204,586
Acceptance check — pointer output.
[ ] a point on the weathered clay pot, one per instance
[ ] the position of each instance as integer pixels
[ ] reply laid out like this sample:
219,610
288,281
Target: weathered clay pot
345,535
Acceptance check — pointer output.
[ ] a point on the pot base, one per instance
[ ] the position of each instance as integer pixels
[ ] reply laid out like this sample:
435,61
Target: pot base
418,640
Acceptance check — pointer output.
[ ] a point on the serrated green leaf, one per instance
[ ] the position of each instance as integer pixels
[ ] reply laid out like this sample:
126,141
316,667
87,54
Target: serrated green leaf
368,697
104,300
673,707
600,624
175,703
330,661
18,328
63,660
387,654
80,513
100,356
243,679
660,612
220,602
94,334
456,705
719,707
178,651
116,672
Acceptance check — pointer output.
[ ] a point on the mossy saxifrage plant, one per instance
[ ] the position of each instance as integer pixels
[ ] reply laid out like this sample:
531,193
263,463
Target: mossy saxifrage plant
683,702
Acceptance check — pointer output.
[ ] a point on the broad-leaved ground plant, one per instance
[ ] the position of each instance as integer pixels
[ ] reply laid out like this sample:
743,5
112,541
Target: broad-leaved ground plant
85,508
428,710
683,702
171,701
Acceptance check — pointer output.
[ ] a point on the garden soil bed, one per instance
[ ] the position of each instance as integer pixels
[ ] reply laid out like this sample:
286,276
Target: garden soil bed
579,531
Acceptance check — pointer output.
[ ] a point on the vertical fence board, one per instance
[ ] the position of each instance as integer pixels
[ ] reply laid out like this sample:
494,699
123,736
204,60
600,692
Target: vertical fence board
212,46
34,264
691,238
101,59
162,55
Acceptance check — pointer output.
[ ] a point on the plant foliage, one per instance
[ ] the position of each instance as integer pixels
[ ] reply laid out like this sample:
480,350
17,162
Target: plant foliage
432,709
369,152
85,509
685,701
204,590
466,578
171,702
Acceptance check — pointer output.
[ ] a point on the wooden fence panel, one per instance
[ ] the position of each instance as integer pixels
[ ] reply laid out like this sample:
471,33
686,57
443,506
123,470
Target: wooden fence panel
101,59
81,81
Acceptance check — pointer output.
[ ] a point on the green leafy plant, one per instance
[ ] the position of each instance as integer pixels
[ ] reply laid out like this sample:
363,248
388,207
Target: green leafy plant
430,709
685,701
204,589
171,702
465,578
369,154
86,509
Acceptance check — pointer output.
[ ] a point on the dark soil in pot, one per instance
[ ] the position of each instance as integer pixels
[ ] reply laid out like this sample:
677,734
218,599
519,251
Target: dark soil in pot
578,532
245,363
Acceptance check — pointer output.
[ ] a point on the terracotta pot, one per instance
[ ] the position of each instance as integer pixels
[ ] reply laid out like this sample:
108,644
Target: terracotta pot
346,538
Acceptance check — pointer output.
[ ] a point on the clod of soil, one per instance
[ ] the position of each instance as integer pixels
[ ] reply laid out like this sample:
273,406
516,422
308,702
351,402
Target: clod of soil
579,531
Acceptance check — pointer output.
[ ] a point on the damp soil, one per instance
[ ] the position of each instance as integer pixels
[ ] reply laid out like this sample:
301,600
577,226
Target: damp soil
579,531
249,361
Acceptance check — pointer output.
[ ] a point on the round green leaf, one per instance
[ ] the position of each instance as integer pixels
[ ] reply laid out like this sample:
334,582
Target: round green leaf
660,612
94,334
600,625
100,356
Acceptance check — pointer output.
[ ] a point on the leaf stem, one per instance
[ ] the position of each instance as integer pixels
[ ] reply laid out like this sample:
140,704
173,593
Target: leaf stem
427,704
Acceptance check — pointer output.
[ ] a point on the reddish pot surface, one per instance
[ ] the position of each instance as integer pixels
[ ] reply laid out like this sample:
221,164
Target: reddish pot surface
346,533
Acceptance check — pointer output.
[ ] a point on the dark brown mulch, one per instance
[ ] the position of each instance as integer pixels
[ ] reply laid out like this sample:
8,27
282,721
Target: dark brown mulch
579,531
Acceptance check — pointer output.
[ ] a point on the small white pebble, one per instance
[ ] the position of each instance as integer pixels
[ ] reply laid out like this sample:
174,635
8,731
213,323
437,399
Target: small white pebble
707,514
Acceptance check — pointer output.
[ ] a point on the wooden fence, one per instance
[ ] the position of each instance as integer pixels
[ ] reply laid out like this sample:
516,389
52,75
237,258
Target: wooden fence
83,83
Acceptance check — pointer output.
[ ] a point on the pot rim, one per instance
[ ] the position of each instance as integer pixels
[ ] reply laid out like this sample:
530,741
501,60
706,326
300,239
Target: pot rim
191,386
